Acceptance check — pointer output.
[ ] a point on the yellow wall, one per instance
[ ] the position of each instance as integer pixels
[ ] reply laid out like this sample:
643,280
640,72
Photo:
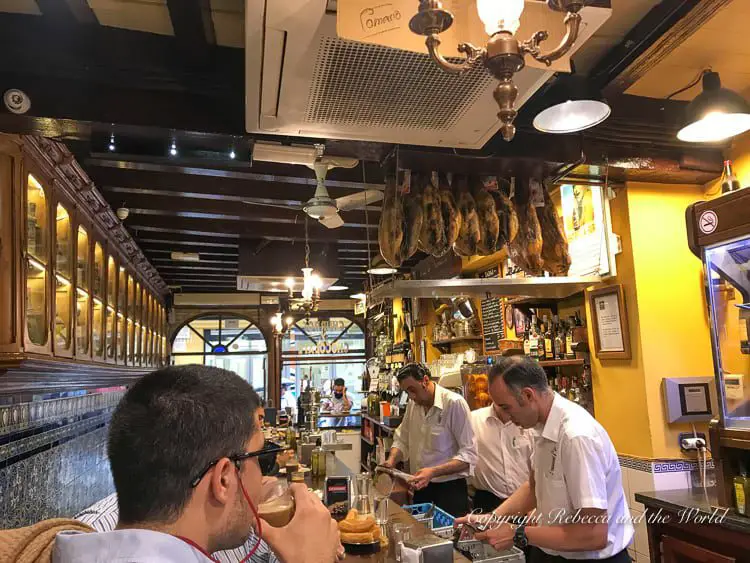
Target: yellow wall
675,337
619,387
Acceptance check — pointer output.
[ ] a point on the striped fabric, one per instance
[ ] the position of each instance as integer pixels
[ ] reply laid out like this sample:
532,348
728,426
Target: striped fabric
103,516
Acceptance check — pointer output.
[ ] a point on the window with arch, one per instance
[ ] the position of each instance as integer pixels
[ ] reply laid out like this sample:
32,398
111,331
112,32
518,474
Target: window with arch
320,350
226,341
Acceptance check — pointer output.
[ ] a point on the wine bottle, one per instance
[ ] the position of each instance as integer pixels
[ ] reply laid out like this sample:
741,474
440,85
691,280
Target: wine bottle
729,182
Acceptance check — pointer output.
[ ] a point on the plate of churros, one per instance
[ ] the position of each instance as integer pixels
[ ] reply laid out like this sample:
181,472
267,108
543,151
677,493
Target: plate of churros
360,534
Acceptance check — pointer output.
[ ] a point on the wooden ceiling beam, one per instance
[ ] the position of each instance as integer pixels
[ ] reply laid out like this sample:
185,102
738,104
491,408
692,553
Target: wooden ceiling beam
67,12
192,24
158,261
221,209
285,181
666,26
239,229
165,252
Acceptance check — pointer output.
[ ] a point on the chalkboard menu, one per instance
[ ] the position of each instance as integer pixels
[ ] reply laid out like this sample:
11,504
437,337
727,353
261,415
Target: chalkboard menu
493,325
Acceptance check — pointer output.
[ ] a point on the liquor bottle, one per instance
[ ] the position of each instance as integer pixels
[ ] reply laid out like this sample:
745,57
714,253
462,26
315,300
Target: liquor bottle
729,182
542,354
533,339
569,353
549,352
559,341
527,343
578,321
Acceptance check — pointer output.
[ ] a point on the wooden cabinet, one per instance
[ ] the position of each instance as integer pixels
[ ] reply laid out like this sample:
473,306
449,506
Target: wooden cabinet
75,290
678,551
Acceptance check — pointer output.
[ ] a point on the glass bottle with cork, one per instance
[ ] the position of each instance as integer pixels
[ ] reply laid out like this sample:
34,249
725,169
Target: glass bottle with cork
729,182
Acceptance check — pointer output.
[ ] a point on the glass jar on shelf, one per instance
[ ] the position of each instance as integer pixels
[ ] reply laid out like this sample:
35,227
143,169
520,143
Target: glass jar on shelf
36,263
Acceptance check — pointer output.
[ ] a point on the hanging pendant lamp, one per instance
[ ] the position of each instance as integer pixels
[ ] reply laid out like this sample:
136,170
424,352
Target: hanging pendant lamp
576,106
716,114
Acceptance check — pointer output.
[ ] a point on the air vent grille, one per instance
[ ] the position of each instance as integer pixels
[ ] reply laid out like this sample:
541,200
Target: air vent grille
363,85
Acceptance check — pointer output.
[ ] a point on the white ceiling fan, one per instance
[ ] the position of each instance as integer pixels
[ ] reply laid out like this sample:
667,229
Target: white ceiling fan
322,206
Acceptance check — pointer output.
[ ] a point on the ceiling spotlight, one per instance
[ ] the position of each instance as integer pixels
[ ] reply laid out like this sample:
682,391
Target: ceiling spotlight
112,146
173,148
576,106
380,267
716,114
232,154
358,296
338,288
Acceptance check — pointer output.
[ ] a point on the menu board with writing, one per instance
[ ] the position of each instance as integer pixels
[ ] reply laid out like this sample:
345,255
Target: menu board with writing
493,324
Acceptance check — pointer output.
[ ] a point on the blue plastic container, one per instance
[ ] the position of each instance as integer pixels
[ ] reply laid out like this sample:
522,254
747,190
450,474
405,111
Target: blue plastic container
440,518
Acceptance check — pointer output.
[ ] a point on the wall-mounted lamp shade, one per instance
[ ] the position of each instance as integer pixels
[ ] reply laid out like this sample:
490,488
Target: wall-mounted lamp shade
576,106
716,114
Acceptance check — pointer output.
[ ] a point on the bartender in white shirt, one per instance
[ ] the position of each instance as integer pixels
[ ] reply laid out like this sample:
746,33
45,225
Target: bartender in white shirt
437,439
504,457
341,400
575,488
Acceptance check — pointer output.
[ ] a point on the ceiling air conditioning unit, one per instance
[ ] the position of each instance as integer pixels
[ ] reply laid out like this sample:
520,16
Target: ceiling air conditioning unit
303,80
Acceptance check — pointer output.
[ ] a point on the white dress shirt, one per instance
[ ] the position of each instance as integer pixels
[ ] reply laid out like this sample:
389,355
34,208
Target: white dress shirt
337,406
443,433
504,453
576,467
103,517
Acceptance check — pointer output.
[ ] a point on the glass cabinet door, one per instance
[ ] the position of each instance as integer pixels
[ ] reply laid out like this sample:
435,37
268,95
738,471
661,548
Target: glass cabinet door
111,315
122,334
37,260
131,315
97,284
63,277
82,289
137,345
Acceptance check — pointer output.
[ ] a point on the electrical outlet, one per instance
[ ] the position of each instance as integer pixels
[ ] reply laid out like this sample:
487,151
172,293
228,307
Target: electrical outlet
689,442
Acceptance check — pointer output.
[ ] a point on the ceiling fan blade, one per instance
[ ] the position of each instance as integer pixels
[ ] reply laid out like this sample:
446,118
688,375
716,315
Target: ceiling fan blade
296,207
358,200
332,222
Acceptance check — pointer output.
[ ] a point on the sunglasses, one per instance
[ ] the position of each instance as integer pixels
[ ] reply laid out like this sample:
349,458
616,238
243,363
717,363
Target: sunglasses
266,460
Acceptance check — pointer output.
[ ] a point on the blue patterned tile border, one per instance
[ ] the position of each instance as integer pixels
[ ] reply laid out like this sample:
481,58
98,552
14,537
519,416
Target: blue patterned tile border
660,465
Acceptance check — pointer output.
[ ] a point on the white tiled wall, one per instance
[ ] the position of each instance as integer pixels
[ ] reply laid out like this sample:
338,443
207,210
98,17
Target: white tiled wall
637,481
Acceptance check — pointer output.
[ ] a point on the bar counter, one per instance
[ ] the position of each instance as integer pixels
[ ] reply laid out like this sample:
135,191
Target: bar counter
684,525
396,514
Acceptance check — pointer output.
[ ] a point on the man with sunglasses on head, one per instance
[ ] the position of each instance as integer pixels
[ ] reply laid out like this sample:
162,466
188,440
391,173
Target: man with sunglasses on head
437,438
186,451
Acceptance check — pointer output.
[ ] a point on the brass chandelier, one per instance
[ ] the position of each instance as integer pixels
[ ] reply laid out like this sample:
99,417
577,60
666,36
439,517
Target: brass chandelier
504,54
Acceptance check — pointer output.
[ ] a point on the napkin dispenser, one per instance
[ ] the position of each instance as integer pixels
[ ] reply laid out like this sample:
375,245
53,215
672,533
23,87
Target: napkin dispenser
427,549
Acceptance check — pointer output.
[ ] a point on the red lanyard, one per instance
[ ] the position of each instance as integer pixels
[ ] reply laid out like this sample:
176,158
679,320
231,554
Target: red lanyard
257,519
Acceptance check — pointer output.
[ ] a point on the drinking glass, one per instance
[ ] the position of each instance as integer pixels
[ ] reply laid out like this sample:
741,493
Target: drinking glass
401,533
363,505
363,484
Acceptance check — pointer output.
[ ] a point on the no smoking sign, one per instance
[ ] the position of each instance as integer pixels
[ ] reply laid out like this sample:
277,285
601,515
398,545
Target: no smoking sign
708,222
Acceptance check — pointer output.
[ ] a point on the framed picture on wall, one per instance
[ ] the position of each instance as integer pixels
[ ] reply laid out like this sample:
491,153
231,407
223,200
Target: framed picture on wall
610,323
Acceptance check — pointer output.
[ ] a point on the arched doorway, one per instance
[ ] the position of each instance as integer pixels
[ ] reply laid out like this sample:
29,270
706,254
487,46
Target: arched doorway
227,341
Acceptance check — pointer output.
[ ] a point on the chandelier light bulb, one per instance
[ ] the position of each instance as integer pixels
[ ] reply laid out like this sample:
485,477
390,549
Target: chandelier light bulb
112,146
173,149
500,15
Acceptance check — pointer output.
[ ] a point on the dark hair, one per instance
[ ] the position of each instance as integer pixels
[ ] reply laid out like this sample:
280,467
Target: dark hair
339,381
285,386
417,371
519,372
168,427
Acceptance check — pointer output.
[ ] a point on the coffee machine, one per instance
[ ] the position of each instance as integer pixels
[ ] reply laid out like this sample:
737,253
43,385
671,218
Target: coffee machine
308,408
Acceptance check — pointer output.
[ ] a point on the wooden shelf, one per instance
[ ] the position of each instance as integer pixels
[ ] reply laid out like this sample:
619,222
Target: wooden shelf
386,428
457,340
365,440
560,363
